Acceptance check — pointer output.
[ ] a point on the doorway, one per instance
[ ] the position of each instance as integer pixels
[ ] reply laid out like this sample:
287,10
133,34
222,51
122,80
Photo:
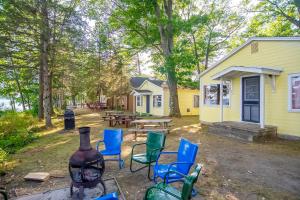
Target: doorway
147,103
250,99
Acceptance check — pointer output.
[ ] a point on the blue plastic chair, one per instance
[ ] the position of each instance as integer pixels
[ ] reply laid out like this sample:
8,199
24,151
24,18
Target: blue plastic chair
113,139
186,157
111,196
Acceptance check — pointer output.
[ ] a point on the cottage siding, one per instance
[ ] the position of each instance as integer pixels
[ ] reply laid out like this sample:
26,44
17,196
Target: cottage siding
185,96
166,102
279,54
156,90
141,109
186,101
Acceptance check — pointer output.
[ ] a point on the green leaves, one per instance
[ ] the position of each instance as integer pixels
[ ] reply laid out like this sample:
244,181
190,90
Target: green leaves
275,18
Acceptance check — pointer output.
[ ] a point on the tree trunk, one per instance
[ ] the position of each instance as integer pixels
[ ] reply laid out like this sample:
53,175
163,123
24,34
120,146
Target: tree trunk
50,89
207,52
44,58
73,100
41,91
174,103
28,102
138,64
196,54
16,77
19,87
166,38
12,103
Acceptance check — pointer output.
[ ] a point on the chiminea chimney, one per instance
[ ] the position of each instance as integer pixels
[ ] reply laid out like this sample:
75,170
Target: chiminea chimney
85,144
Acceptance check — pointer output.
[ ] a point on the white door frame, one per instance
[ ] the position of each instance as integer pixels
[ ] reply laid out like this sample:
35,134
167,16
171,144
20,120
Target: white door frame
261,99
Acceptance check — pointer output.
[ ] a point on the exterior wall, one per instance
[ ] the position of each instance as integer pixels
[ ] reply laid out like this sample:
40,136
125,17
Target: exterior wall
130,103
185,97
186,101
142,108
156,90
166,102
281,54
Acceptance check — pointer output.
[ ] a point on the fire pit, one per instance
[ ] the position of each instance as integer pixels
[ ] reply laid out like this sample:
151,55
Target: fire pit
86,165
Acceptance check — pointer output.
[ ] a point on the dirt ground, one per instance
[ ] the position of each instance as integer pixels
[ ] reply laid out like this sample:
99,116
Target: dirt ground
233,169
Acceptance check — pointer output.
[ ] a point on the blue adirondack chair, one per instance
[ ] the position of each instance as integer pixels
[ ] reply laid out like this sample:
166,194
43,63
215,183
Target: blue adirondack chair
186,157
111,196
113,139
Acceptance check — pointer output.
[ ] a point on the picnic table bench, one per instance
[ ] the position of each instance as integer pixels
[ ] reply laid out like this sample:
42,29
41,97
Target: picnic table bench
119,118
112,112
148,125
146,130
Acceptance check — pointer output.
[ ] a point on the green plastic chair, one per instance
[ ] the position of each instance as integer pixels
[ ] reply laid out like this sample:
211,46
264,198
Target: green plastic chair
154,145
167,192
3,193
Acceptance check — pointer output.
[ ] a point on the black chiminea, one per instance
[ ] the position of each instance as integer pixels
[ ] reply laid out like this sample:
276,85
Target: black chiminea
86,165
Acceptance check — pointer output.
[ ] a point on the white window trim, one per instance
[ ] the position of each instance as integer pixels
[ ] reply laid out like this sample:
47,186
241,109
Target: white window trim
290,109
141,100
215,105
194,101
230,91
161,101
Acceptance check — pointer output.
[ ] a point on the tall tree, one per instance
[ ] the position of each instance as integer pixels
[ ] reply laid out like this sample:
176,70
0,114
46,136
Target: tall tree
18,50
44,49
164,17
287,9
149,25
273,18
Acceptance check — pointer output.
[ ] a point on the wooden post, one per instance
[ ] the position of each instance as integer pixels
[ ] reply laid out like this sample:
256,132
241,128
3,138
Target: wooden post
221,100
262,101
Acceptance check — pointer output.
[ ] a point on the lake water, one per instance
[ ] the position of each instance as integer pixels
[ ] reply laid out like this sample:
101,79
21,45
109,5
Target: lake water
5,104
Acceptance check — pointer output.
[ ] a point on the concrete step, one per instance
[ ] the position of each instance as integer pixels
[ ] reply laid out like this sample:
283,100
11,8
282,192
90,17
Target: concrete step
242,131
233,133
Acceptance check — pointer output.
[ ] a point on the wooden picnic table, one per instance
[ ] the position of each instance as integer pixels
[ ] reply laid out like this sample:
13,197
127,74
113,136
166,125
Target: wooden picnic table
118,118
161,125
111,112
143,122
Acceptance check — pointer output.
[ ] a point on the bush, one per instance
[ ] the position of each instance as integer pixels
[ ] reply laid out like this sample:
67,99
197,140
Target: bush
34,109
15,130
3,158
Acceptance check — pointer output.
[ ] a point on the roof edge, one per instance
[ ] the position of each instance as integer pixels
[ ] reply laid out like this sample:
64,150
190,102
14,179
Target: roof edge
148,82
234,51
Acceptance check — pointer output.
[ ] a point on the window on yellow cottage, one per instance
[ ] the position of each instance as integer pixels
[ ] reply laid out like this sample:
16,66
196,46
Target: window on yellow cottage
212,94
294,92
196,101
139,101
156,100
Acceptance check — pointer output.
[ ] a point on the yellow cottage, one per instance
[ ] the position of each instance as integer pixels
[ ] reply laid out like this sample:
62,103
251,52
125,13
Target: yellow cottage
261,85
153,97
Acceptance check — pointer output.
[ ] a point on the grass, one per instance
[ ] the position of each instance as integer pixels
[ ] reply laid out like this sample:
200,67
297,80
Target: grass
53,148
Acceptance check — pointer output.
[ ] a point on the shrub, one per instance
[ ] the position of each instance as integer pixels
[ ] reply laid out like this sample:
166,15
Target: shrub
15,130
3,158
